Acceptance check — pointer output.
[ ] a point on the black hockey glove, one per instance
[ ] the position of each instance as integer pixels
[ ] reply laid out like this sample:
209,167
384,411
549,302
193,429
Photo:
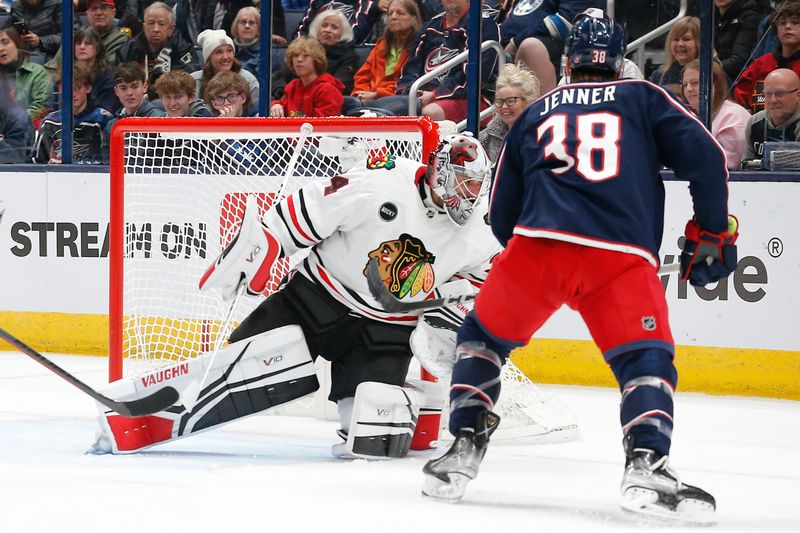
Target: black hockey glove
708,257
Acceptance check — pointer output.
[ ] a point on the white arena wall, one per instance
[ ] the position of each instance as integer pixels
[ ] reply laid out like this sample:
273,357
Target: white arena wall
741,336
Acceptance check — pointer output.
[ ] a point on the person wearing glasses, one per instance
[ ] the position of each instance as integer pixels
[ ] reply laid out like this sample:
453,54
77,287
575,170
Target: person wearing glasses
728,119
246,33
748,90
314,93
516,88
228,95
219,55
780,119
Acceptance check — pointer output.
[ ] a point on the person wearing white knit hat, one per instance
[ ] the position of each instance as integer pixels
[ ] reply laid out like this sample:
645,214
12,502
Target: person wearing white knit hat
219,56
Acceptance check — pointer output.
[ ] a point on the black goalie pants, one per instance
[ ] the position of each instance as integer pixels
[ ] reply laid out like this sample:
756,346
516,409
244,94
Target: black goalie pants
358,348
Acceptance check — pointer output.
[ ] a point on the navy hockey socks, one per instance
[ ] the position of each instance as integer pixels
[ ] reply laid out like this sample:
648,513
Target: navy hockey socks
647,381
475,383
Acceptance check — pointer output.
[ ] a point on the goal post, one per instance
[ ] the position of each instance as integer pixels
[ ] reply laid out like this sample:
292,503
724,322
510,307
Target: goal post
178,187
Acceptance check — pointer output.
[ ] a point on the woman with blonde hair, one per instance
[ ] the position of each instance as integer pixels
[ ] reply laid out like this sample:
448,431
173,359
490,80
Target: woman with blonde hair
334,32
728,119
682,46
516,88
246,33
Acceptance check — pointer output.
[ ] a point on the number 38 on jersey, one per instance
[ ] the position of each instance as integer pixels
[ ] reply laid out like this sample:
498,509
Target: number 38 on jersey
595,155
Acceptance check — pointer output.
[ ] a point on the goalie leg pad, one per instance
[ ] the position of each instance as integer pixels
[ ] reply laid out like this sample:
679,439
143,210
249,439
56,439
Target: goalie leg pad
647,380
429,422
383,421
248,377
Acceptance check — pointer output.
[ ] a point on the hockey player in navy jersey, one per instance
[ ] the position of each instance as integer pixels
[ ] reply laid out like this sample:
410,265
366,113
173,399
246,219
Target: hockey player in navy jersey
578,201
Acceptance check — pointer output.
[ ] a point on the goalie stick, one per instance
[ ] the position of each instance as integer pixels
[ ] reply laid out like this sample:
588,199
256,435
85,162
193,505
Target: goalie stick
158,401
192,391
394,305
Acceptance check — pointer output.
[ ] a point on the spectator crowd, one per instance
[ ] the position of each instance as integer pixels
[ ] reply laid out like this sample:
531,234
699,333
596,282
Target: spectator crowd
190,58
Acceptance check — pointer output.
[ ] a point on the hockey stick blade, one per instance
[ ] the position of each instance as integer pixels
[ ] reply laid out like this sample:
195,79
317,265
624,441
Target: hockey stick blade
153,403
394,305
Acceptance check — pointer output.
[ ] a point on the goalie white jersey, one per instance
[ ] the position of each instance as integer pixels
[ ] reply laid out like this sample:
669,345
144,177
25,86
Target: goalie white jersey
376,210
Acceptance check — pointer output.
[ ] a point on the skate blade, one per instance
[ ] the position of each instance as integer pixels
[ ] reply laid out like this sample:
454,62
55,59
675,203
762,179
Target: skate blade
689,511
447,492
522,435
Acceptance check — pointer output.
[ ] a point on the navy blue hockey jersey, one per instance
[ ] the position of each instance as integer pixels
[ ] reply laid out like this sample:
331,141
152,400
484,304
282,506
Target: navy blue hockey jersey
526,19
582,164
437,44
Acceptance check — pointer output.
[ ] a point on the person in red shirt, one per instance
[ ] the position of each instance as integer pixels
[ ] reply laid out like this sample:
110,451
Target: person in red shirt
748,91
314,93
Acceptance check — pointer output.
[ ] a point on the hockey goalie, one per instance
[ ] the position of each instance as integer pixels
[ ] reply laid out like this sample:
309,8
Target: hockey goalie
426,227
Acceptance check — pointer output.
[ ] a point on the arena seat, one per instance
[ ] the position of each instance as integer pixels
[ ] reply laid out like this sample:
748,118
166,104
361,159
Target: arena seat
363,51
293,17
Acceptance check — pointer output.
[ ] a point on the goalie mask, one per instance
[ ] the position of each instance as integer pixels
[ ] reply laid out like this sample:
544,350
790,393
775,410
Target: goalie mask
458,172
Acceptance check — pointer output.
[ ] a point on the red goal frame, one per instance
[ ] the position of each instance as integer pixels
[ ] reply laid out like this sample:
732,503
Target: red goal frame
423,125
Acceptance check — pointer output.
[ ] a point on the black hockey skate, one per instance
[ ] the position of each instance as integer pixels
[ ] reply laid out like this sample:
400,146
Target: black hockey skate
446,478
650,487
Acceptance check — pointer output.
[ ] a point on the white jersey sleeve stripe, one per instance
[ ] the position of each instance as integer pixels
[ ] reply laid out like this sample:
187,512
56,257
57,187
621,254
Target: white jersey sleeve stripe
279,216
290,207
304,212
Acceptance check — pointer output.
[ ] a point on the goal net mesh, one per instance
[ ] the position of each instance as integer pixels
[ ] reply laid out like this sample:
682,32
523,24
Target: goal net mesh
183,195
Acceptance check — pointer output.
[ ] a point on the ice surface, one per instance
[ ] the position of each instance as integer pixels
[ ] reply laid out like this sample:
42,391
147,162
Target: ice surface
266,473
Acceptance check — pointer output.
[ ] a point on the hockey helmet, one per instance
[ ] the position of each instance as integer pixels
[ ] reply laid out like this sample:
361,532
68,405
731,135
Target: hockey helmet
596,42
459,173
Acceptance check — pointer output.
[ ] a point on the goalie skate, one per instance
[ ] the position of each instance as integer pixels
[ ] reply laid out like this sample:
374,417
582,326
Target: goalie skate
446,478
651,488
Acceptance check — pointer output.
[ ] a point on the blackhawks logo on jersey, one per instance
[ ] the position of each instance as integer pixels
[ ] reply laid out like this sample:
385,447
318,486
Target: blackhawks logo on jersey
405,265
384,161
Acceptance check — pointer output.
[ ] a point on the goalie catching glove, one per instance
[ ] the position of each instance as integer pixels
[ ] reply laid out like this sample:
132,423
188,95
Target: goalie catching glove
433,341
251,256
708,257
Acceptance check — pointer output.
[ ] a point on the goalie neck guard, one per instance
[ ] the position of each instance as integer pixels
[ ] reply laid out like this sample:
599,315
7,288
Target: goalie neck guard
458,173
